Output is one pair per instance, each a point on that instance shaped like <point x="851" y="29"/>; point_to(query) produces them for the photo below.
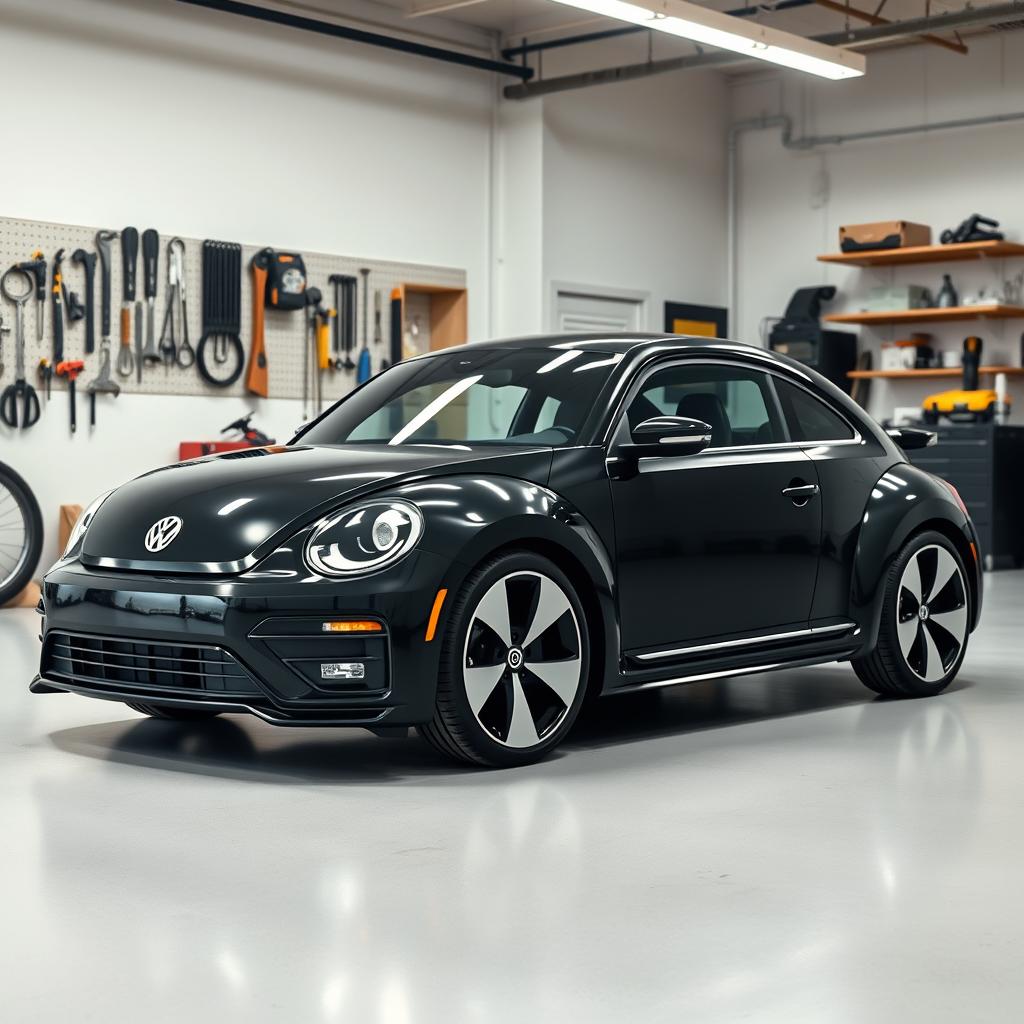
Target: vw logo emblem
<point x="162" y="532"/>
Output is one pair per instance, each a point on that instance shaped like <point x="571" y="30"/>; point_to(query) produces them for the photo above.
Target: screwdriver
<point x="150" y="257"/>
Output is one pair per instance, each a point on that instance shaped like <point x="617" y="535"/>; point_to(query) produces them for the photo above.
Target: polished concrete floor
<point x="777" y="848"/>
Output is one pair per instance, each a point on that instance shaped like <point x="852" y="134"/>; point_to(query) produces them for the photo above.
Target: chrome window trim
<point x="679" y="359"/>
<point x="746" y="641"/>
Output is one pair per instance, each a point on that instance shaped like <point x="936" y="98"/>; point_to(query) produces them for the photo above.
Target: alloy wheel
<point x="931" y="613"/>
<point x="522" y="662"/>
<point x="14" y="534"/>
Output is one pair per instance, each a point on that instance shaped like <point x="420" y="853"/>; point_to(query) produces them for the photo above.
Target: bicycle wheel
<point x="21" y="534"/>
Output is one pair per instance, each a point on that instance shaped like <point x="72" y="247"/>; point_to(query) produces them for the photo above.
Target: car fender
<point x="468" y="518"/>
<point x="904" y="500"/>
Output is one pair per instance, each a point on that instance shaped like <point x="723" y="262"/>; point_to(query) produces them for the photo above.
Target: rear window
<point x="810" y="419"/>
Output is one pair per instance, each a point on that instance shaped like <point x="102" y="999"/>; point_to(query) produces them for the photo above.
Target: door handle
<point x="800" y="493"/>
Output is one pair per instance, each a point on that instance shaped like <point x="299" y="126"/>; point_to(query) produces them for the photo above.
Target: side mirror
<point x="670" y="435"/>
<point x="658" y="437"/>
<point x="911" y="438"/>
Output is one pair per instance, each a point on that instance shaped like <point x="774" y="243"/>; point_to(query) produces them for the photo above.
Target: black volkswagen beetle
<point x="476" y="540"/>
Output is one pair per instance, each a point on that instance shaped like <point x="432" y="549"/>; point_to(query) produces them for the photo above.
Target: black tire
<point x="172" y="714"/>
<point x="20" y="518"/>
<point x="497" y="734"/>
<point x="923" y="633"/>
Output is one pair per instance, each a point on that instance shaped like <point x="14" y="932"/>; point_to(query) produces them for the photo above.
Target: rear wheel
<point x="172" y="714"/>
<point x="514" y="664"/>
<point x="922" y="637"/>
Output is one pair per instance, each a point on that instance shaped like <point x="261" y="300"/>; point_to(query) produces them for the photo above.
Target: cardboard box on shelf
<point x="884" y="234"/>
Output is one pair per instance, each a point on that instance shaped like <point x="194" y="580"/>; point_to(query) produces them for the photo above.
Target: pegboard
<point x="286" y="337"/>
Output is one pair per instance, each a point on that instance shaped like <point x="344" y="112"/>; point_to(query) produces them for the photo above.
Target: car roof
<point x="621" y="341"/>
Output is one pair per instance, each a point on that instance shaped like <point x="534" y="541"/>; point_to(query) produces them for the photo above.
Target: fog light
<point x="342" y="670"/>
<point x="352" y="626"/>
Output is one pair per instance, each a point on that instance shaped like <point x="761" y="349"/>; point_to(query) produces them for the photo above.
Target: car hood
<point x="238" y="507"/>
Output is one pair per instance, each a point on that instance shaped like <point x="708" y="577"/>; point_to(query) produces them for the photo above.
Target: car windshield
<point x="473" y="396"/>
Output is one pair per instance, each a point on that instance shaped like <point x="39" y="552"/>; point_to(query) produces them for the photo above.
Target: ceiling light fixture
<point x="725" y="32"/>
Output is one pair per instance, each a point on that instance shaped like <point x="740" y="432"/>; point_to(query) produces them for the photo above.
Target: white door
<point x="580" y="313"/>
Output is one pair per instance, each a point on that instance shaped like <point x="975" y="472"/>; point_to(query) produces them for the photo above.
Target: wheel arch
<point x="516" y="515"/>
<point x="905" y="501"/>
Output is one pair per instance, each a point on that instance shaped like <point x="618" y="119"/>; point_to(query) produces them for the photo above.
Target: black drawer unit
<point x="985" y="463"/>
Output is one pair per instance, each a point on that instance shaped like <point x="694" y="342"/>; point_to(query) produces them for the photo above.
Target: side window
<point x="737" y="402"/>
<point x="809" y="418"/>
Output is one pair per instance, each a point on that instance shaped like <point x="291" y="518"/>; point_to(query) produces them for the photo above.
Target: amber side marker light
<point x="435" y="614"/>
<point x="352" y="626"/>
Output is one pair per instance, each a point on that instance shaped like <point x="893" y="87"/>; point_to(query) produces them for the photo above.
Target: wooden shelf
<point x="927" y="316"/>
<point x="933" y="373"/>
<point x="925" y="254"/>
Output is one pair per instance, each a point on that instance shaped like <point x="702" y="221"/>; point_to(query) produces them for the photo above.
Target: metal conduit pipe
<point x="358" y="35"/>
<point x="805" y="144"/>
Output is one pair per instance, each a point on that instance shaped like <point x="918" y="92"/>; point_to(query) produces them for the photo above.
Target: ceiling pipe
<point x="358" y="35"/>
<point x="847" y="37"/>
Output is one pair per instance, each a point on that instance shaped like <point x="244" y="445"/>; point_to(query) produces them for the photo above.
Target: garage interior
<point x="782" y="847"/>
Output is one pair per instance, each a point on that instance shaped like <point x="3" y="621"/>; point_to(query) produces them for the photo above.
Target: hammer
<point x="71" y="368"/>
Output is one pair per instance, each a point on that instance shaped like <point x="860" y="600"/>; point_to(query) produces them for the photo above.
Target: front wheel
<point x="514" y="664"/>
<point x="922" y="637"/>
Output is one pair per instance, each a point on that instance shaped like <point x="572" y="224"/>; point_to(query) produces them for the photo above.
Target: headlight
<point x="82" y="524"/>
<point x="364" y="538"/>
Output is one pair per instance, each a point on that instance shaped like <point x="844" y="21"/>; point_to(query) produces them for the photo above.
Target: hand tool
<point x="222" y="300"/>
<point x="45" y="374"/>
<point x="103" y="242"/>
<point x="345" y="325"/>
<point x="307" y="355"/>
<point x="57" y="297"/>
<point x="140" y="352"/>
<point x="150" y="263"/>
<point x="186" y="354"/>
<point x="88" y="262"/>
<point x="36" y="267"/>
<point x="103" y="383"/>
<point x="312" y="361"/>
<point x="71" y="368"/>
<point x="257" y="378"/>
<point x="378" y="330"/>
<point x="175" y="310"/>
<point x="323" y="333"/>
<point x="363" y="372"/>
<point x="4" y="329"/>
<point x="129" y="259"/>
<point x="396" y="326"/>
<point x="20" y="391"/>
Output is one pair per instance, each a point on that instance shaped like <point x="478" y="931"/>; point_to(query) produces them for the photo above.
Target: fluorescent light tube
<point x="725" y="32"/>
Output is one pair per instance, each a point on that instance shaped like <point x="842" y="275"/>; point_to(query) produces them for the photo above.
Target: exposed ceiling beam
<point x="874" y="19"/>
<point x="426" y="7"/>
<point x="993" y="14"/>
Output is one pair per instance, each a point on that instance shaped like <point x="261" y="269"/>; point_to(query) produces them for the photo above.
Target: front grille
<point x="101" y="661"/>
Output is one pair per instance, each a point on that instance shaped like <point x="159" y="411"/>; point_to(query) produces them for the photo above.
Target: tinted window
<point x="810" y="419"/>
<point x="473" y="396"/>
<point x="737" y="402"/>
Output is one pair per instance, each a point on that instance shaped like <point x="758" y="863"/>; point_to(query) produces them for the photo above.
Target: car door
<point x="717" y="544"/>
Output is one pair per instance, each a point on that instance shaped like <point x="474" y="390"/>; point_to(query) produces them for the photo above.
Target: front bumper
<point x="247" y="644"/>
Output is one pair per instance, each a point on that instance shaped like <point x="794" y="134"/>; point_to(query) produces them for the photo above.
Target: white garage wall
<point x="791" y="204"/>
<point x="635" y="188"/>
<point x="154" y="113"/>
